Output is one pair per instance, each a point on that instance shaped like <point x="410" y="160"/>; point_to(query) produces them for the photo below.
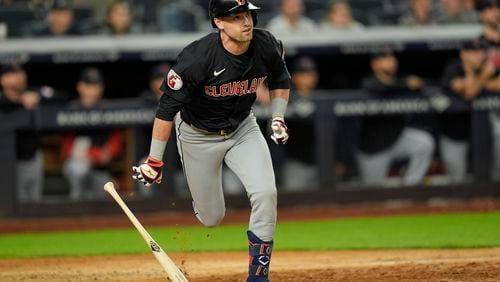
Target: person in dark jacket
<point x="464" y="78"/>
<point x="489" y="15"/>
<point x="16" y="95"/>
<point x="384" y="139"/>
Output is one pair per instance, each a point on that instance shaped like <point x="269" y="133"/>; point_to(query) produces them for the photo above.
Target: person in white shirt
<point x="291" y="19"/>
<point x="340" y="17"/>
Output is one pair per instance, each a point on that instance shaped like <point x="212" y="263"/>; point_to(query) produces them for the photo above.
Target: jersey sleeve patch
<point x="174" y="81"/>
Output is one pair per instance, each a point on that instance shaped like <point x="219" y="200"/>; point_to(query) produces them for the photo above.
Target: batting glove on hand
<point x="280" y="131"/>
<point x="149" y="172"/>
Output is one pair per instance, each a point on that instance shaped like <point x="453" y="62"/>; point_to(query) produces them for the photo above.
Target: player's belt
<point x="220" y="132"/>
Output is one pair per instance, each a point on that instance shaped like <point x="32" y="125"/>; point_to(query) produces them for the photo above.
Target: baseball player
<point x="208" y="95"/>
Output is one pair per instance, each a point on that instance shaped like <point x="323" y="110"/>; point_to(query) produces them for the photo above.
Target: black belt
<point x="219" y="132"/>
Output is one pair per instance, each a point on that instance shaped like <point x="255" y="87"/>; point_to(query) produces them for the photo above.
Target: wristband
<point x="157" y="149"/>
<point x="278" y="107"/>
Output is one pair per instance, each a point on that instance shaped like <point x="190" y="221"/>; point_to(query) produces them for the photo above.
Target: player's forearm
<point x="472" y="86"/>
<point x="279" y="101"/>
<point x="280" y="93"/>
<point x="160" y="136"/>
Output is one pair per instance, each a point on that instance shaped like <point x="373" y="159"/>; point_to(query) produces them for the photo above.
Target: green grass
<point x="424" y="231"/>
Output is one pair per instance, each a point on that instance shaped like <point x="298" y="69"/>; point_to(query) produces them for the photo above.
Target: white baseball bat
<point x="173" y="272"/>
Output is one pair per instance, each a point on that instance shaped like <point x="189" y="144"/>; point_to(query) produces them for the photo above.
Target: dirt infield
<point x="376" y="265"/>
<point x="387" y="265"/>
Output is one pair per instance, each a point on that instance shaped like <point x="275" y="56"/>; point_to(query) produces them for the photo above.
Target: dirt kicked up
<point x="374" y="265"/>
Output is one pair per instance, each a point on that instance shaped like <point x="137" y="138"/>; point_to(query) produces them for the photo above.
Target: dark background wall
<point x="128" y="78"/>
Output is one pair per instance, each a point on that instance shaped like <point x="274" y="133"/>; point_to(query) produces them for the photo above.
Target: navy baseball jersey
<point x="214" y="89"/>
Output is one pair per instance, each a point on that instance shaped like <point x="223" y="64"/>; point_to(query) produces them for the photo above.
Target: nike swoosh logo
<point x="216" y="73"/>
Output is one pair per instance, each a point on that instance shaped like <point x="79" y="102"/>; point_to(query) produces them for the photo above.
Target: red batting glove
<point x="280" y="131"/>
<point x="148" y="172"/>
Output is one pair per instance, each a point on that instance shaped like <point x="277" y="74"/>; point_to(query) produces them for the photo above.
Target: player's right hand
<point x="148" y="172"/>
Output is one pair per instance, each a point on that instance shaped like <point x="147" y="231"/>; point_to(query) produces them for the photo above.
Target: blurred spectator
<point x="489" y="15"/>
<point x="305" y="78"/>
<point x="300" y="171"/>
<point x="152" y="95"/>
<point x="465" y="78"/>
<point x="340" y="17"/>
<point x="60" y="21"/>
<point x="119" y="20"/>
<point x="16" y="95"/>
<point x="291" y="18"/>
<point x="89" y="152"/>
<point x="469" y="5"/>
<point x="384" y="139"/>
<point x="454" y="12"/>
<point x="420" y="14"/>
<point x="181" y="16"/>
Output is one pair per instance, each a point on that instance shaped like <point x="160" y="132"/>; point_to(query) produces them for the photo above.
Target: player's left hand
<point x="279" y="131"/>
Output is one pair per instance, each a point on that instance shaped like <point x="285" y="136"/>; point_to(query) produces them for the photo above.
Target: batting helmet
<point x="223" y="8"/>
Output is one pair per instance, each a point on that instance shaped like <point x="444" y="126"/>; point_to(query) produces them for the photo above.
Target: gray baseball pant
<point x="246" y="153"/>
<point x="30" y="178"/>
<point x="454" y="155"/>
<point x="84" y="181"/>
<point x="495" y="127"/>
<point x="415" y="144"/>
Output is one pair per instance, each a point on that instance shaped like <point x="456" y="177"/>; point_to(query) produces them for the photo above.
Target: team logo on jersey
<point x="174" y="81"/>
